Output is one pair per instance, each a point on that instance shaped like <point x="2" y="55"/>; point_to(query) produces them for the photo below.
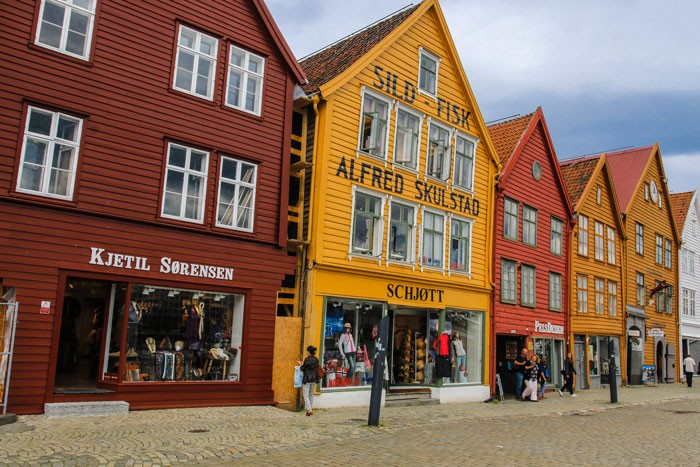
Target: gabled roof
<point x="506" y="135"/>
<point x="326" y="64"/>
<point x="628" y="167"/>
<point x="279" y="40"/>
<point x="680" y="204"/>
<point x="577" y="175"/>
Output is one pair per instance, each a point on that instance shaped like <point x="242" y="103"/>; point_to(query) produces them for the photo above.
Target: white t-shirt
<point x="689" y="364"/>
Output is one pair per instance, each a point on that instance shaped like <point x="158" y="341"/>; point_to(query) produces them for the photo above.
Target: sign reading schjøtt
<point x="548" y="328"/>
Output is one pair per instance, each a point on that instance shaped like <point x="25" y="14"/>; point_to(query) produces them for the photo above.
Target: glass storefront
<point x="551" y="351"/>
<point x="599" y="358"/>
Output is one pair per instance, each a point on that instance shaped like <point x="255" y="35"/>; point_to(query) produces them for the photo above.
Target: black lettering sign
<point x="416" y="294"/>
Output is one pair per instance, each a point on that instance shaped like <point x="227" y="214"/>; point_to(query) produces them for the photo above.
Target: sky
<point x="608" y="74"/>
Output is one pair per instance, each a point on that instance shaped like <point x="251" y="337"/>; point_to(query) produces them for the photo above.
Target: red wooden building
<point x="143" y="186"/>
<point x="533" y="213"/>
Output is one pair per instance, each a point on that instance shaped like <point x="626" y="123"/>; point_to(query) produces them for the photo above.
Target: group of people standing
<point x="530" y="372"/>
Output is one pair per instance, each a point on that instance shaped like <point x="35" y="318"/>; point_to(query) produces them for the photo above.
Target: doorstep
<point x="85" y="409"/>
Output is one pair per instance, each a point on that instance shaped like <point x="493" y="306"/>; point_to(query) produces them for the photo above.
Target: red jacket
<point x="444" y="340"/>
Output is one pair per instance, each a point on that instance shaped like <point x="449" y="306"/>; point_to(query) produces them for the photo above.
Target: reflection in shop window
<point x="466" y="331"/>
<point x="178" y="335"/>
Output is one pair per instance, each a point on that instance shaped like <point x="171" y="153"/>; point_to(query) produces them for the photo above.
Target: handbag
<point x="298" y="377"/>
<point x="320" y="371"/>
<point x="368" y="363"/>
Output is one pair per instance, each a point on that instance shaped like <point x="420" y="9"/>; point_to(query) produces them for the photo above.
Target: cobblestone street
<point x="649" y="426"/>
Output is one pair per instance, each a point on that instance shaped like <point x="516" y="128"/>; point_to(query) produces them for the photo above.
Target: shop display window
<point x="551" y="352"/>
<point x="176" y="335"/>
<point x="350" y="331"/>
<point x="599" y="358"/>
<point x="466" y="332"/>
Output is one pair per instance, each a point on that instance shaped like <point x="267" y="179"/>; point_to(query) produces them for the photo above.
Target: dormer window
<point x="428" y="73"/>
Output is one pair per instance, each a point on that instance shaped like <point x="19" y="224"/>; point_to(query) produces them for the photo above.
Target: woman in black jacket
<point x="569" y="371"/>
<point x="310" y="371"/>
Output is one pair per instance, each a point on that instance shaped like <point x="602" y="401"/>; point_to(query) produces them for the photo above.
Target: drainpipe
<point x="492" y="312"/>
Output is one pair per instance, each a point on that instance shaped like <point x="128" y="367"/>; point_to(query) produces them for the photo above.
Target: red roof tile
<point x="577" y="174"/>
<point x="627" y="168"/>
<point x="680" y="204"/>
<point x="326" y="64"/>
<point x="506" y="135"/>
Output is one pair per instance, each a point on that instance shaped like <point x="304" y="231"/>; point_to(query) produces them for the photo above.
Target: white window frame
<point x="247" y="76"/>
<point x="599" y="296"/>
<point x="234" y="209"/>
<point x="659" y="257"/>
<point x="187" y="173"/>
<point x="423" y="243"/>
<point x="612" y="298"/>
<point x="70" y="8"/>
<point x="529" y="225"/>
<point x="410" y="236"/>
<point x="688" y="302"/>
<point x="582" y="293"/>
<point x="421" y="53"/>
<point x="198" y="58"/>
<point x="583" y="235"/>
<point x="510" y="219"/>
<point x="599" y="241"/>
<point x="528" y="283"/>
<point x="464" y="178"/>
<point x="375" y="247"/>
<point x="375" y="148"/>
<point x="469" y="225"/>
<point x="53" y="143"/>
<point x="556" y="235"/>
<point x="611" y="246"/>
<point x="414" y="139"/>
<point x="509" y="278"/>
<point x="660" y="299"/>
<point x="431" y="160"/>
<point x="687" y="261"/>
<point x="555" y="297"/>
<point x="639" y="239"/>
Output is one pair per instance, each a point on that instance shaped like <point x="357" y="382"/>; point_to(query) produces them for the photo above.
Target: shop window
<point x="428" y="73"/>
<point x="527" y="287"/>
<point x="349" y="334"/>
<point x="402" y="232"/>
<point x="464" y="162"/>
<point x="551" y="354"/>
<point x="529" y="226"/>
<point x="583" y="235"/>
<point x="611" y="246"/>
<point x="510" y="219"/>
<point x="437" y="163"/>
<point x="554" y="291"/>
<point x="593" y="357"/>
<point x="49" y="154"/>
<point x="466" y="332"/>
<point x="177" y="335"/>
<point x="195" y="63"/>
<point x="599" y="357"/>
<point x="245" y="80"/>
<point x="508" y="278"/>
<point x="668" y="256"/>
<point x="367" y="224"/>
<point x="66" y="26"/>
<point x="185" y="183"/>
<point x="639" y="239"/>
<point x="373" y="130"/>
<point x="236" y="205"/>
<point x="460" y="245"/>
<point x="599" y="241"/>
<point x="582" y="293"/>
<point x="433" y="239"/>
<point x="407" y="139"/>
<point x="556" y="235"/>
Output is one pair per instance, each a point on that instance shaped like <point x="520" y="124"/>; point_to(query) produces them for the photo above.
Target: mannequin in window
<point x="347" y="347"/>
<point x="460" y="356"/>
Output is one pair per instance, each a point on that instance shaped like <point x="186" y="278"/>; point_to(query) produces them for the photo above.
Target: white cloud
<point x="682" y="171"/>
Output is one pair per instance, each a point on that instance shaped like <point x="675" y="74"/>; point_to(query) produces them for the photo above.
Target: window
<point x="407" y="139"/>
<point x="556" y="235"/>
<point x="367" y="224"/>
<point x="401" y="232"/>
<point x="611" y="245"/>
<point x="508" y="286"/>
<point x="464" y="163"/>
<point x="612" y="298"/>
<point x="598" y="194"/>
<point x="599" y="296"/>
<point x="641" y="299"/>
<point x="582" y="293"/>
<point x="669" y="300"/>
<point x="529" y="226"/>
<point x="428" y="73"/>
<point x="527" y="288"/>
<point x="639" y="239"/>
<point x="460" y="245"/>
<point x="583" y="235"/>
<point x="49" y="154"/>
<point x="185" y="183"/>
<point x="668" y="258"/>
<point x="554" y="291"/>
<point x="66" y="26"/>
<point x="659" y="249"/>
<point x="195" y="65"/>
<point x="510" y="219"/>
<point x="688" y="297"/>
<point x="687" y="261"/>
<point x="646" y="192"/>
<point x="245" y="80"/>
<point x="599" y="242"/>
<point x="438" y="160"/>
<point x="433" y="239"/>
<point x="660" y="301"/>
<point x="375" y="114"/>
<point x="236" y="194"/>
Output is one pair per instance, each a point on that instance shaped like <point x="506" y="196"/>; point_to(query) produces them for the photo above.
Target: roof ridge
<point x="512" y="118"/>
<point x="352" y="34"/>
<point x="575" y="160"/>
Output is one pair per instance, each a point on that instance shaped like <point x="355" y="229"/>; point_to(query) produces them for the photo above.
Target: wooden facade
<point x="597" y="292"/>
<point x="531" y="298"/>
<point x="122" y="90"/>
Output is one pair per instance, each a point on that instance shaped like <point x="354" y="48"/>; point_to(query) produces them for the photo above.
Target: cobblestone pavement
<point x="649" y="426"/>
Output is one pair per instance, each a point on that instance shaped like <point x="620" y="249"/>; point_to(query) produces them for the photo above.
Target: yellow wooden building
<point x="391" y="211"/>
<point x="650" y="266"/>
<point x="596" y="272"/>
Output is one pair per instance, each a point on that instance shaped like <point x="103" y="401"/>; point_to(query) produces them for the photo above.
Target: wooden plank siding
<point x="130" y="113"/>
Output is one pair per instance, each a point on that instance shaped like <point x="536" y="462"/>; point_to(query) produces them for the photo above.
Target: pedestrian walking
<point x="310" y="370"/>
<point x="542" y="377"/>
<point x="519" y="366"/>
<point x="689" y="368"/>
<point x="569" y="371"/>
<point x="532" y="372"/>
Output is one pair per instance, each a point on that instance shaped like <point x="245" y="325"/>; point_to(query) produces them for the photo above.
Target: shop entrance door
<point x="86" y="312"/>
<point x="410" y="349"/>
<point x="660" y="368"/>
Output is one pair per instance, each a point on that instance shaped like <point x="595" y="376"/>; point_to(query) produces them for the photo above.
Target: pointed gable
<point x="506" y="136"/>
<point x="627" y="169"/>
<point x="680" y="204"/>
<point x="324" y="65"/>
<point x="577" y="175"/>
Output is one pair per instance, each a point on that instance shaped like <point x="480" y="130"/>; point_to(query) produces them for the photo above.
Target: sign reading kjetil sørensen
<point x="100" y="257"/>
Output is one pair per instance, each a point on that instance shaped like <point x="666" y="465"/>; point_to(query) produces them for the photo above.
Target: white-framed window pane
<point x="599" y="296"/>
<point x="401" y="232"/>
<point x="460" y="245"/>
<point x="237" y="188"/>
<point x="659" y="250"/>
<point x="554" y="291"/>
<point x="433" y="239"/>
<point x="438" y="160"/>
<point x="529" y="226"/>
<point x="527" y="288"/>
<point x="583" y="236"/>
<point x="582" y="293"/>
<point x="66" y="26"/>
<point x="407" y="139"/>
<point x="185" y="183"/>
<point x="508" y="278"/>
<point x="639" y="239"/>
<point x="611" y="246"/>
<point x="464" y="163"/>
<point x="196" y="63"/>
<point x="245" y="80"/>
<point x="641" y="299"/>
<point x="668" y="256"/>
<point x="599" y="242"/>
<point x="366" y="232"/>
<point x="510" y="219"/>
<point x="612" y="298"/>
<point x="427" y="80"/>
<point x="556" y="235"/>
<point x="373" y="131"/>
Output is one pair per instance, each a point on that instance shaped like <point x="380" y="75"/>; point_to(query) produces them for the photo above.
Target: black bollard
<point x="375" y="401"/>
<point x="613" y="372"/>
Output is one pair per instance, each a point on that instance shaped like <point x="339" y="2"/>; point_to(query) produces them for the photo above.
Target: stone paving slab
<point x="224" y="434"/>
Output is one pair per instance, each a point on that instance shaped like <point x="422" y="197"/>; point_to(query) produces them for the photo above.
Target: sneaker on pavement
<point x="561" y="394"/>
<point x="574" y="395"/>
